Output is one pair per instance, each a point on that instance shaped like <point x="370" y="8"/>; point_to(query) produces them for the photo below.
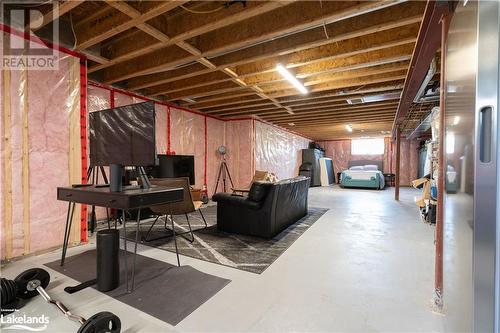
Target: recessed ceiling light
<point x="287" y="75"/>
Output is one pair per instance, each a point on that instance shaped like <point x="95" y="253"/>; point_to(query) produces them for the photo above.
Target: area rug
<point x="167" y="292"/>
<point x="246" y="253"/>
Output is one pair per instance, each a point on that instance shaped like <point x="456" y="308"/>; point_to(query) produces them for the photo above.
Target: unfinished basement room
<point x="250" y="166"/>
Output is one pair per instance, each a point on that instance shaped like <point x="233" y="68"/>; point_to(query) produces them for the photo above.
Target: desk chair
<point x="184" y="207"/>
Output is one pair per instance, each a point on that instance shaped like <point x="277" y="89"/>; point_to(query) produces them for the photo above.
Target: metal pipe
<point x="438" y="263"/>
<point x="398" y="160"/>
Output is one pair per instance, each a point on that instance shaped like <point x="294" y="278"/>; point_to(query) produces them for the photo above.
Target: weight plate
<point x="29" y="280"/>
<point x="102" y="322"/>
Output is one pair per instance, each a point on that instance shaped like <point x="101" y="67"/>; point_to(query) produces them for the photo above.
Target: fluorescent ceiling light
<point x="287" y="75"/>
<point x="348" y="128"/>
<point x="456" y="120"/>
<point x="189" y="100"/>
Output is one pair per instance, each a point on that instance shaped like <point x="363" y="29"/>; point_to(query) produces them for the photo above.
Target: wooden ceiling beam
<point x="400" y="15"/>
<point x="185" y="26"/>
<point x="306" y="112"/>
<point x="233" y="37"/>
<point x="331" y="113"/>
<point x="341" y="64"/>
<point x="60" y="9"/>
<point x="341" y="76"/>
<point x="201" y="80"/>
<point x="294" y="17"/>
<point x="276" y="112"/>
<point x="348" y="120"/>
<point x="126" y="17"/>
<point x="213" y="89"/>
<point x="376" y="88"/>
<point x="384" y="19"/>
<point x="345" y="48"/>
<point x="397" y="76"/>
<point x="380" y="57"/>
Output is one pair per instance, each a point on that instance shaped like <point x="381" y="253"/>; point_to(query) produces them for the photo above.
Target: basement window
<point x="367" y="147"/>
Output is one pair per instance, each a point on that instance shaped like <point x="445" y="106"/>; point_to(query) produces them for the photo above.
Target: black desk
<point x="132" y="198"/>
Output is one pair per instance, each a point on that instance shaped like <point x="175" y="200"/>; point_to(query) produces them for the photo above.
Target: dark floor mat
<point x="167" y="292"/>
<point x="251" y="254"/>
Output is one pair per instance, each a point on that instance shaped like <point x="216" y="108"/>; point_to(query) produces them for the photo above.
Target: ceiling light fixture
<point x="456" y="120"/>
<point x="348" y="128"/>
<point x="287" y="75"/>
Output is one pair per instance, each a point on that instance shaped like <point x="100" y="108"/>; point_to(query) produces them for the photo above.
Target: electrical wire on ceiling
<point x="202" y="11"/>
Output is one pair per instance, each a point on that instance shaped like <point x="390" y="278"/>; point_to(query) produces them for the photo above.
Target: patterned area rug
<point x="247" y="253"/>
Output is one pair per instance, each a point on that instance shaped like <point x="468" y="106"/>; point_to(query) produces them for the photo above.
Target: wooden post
<point x="438" y="264"/>
<point x="398" y="159"/>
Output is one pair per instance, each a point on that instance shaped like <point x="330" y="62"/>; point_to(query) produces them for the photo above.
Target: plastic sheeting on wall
<point x="215" y="138"/>
<point x="278" y="151"/>
<point x="340" y="152"/>
<point x="240" y="151"/>
<point x="187" y="137"/>
<point x="39" y="132"/>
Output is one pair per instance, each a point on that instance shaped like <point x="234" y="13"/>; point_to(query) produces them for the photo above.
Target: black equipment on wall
<point x="312" y="156"/>
<point x="174" y="166"/>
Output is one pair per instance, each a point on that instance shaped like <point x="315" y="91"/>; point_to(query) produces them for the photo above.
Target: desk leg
<point x="125" y="247"/>
<point x="175" y="241"/>
<point x="67" y="230"/>
<point x="135" y="247"/>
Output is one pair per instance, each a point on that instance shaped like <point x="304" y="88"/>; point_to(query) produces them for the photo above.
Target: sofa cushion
<point x="258" y="191"/>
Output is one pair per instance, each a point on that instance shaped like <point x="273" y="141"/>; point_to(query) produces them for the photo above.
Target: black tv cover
<point x="124" y="135"/>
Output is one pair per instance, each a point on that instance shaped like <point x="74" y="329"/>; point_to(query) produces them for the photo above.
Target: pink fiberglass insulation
<point x="278" y="151"/>
<point x="49" y="111"/>
<point x="161" y="128"/>
<point x="16" y="142"/>
<point x="215" y="139"/>
<point x="122" y="99"/>
<point x="409" y="161"/>
<point x="187" y="137"/>
<point x="340" y="153"/>
<point x="2" y="180"/>
<point x="97" y="99"/>
<point x="240" y="151"/>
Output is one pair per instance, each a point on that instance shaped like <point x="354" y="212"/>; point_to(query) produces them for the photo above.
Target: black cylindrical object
<point x="115" y="175"/>
<point x="108" y="264"/>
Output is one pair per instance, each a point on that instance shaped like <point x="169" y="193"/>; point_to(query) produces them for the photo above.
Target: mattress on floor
<point x="363" y="179"/>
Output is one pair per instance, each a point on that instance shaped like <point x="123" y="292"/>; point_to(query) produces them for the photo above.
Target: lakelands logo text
<point x="27" y="21"/>
<point x="24" y="322"/>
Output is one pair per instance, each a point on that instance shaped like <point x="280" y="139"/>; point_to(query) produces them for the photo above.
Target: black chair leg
<point x="203" y="217"/>
<point x="175" y="240"/>
<point x="145" y="239"/>
<point x="190" y="230"/>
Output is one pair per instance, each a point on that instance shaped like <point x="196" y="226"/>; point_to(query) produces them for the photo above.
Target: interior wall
<point x="340" y="152"/>
<point x="278" y="151"/>
<point x="40" y="151"/>
<point x="240" y="151"/>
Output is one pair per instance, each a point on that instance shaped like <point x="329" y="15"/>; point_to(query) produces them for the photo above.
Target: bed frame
<point x="358" y="183"/>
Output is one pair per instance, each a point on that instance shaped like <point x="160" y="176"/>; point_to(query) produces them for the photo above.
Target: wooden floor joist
<point x="221" y="58"/>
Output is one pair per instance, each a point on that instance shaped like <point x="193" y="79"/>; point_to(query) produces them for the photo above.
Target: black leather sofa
<point x="268" y="209"/>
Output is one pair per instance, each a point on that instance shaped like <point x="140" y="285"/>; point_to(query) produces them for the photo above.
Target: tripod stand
<point x="223" y="171"/>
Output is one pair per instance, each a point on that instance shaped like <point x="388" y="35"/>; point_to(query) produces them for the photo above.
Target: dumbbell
<point x="33" y="282"/>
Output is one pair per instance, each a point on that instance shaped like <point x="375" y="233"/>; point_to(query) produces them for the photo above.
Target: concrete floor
<point x="365" y="266"/>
